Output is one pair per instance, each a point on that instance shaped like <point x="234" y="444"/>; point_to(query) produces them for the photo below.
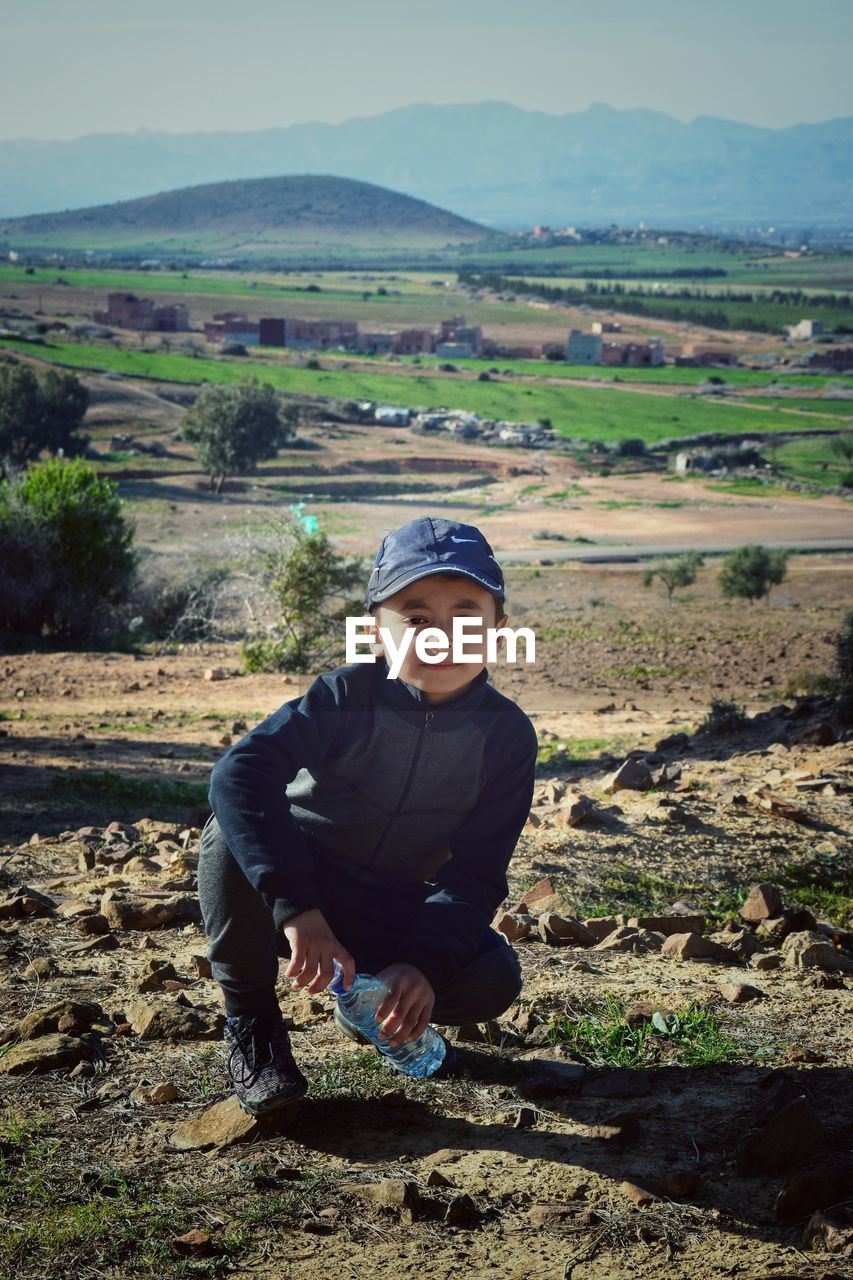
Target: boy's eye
<point x="415" y="620"/>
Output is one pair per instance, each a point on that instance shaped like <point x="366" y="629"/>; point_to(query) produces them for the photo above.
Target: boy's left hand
<point x="408" y="1005"/>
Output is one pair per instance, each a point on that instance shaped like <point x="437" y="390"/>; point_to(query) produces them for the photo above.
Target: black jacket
<point x="364" y="775"/>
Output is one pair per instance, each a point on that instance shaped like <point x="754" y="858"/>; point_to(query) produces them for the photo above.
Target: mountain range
<point x="491" y="162"/>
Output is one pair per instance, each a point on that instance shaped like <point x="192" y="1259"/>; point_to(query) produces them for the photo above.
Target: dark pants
<point x="370" y="920"/>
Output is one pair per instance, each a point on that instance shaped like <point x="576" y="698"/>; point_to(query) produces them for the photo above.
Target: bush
<point x="309" y="586"/>
<point x="39" y="413"/>
<point x="749" y="572"/>
<point x="723" y="718"/>
<point x="178" y="607"/>
<point x="680" y="572"/>
<point x="632" y="447"/>
<point x="66" y="552"/>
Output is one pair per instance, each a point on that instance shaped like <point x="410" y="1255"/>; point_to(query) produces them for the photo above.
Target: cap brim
<point x="407" y="579"/>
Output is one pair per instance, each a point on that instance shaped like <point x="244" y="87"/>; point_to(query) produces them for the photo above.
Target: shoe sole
<point x="277" y="1104"/>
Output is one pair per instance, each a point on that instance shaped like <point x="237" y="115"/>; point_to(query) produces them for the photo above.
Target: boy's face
<point x="435" y="601"/>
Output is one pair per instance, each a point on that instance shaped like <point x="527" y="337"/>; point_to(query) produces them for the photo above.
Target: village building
<point x="805" y="331"/>
<point x="583" y="348"/>
<point x="128" y="311"/>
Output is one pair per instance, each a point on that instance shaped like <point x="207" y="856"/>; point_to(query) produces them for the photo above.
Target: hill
<point x="252" y="217"/>
<point x="490" y="161"/>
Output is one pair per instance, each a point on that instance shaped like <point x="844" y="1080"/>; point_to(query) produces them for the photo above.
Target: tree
<point x="672" y="574"/>
<point x="309" y="587"/>
<point x="66" y="552"/>
<point x="234" y="428"/>
<point x="38" y="413"/>
<point x="749" y="572"/>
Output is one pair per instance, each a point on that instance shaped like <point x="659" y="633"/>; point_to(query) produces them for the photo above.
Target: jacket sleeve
<point x="448" y="929"/>
<point x="247" y="795"/>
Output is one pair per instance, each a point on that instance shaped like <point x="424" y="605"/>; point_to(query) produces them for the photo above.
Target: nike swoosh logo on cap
<point x="453" y="539"/>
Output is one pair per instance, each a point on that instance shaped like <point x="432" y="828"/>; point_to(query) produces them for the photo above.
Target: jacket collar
<point x="413" y="703"/>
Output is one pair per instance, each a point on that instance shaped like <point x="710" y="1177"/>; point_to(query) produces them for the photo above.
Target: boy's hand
<point x="313" y="949"/>
<point x="407" y="1008"/>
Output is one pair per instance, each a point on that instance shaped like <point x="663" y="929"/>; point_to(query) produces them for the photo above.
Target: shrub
<point x="723" y="718"/>
<point x="309" y="586"/>
<point x="39" y="413"/>
<point x="632" y="447"/>
<point x="178" y="607"/>
<point x="749" y="572"/>
<point x="672" y="574"/>
<point x="66" y="552"/>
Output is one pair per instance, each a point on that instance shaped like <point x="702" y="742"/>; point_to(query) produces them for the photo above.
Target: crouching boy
<point x="371" y="821"/>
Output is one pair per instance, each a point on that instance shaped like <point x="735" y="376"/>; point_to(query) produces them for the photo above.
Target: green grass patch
<point x="590" y="414"/>
<point x="562" y="753"/>
<point x="747" y="487"/>
<point x="83" y="784"/>
<point x="811" y="459"/>
<point x="56" y="1214"/>
<point x="691" y="1038"/>
<point x="823" y="884"/>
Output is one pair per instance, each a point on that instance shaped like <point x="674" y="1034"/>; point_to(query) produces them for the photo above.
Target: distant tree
<point x="234" y="428"/>
<point x="39" y="413"/>
<point x="750" y="572"/>
<point x="66" y="551"/>
<point x="676" y="573"/>
<point x="842" y="447"/>
<point x="631" y="447"/>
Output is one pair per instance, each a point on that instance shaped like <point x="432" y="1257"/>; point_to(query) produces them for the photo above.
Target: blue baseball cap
<point x="431" y="545"/>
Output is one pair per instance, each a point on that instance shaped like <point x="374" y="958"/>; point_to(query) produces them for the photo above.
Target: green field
<point x="811" y="460"/>
<point x="587" y="413"/>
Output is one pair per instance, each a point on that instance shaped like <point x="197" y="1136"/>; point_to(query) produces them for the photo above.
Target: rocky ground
<point x="671" y="1096"/>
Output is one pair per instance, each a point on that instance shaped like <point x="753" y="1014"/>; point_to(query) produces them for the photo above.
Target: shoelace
<point x="247" y="1036"/>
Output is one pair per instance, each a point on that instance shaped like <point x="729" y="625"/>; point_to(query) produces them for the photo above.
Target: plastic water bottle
<point x="359" y="1003"/>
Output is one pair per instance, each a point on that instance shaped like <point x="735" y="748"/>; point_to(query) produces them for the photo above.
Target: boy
<point x="371" y="821"/>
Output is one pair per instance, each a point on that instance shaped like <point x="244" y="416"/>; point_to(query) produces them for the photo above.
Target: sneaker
<point x="260" y="1064"/>
<point x="451" y="1064"/>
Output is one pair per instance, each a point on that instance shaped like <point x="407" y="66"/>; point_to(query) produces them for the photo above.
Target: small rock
<point x="83" y="1070"/>
<point x="551" y="1215"/>
<point x="42" y="967"/>
<point x="92" y="926"/>
<point x="166" y="1021"/>
<point x="638" y="1194"/>
<point x="158" y="1094"/>
<point x="562" y="931"/>
<point x="515" y="928"/>
<point x="201" y="964"/>
<point x="601" y="926"/>
<point x="692" y="946"/>
<point x="789" y="1138"/>
<point x="525" y="1118"/>
<point x="739" y="992"/>
<point x="47" y="1053"/>
<point x="153" y="975"/>
<point x="679" y="1183"/>
<point x="632" y="775"/>
<point x="107" y="942"/>
<point x="626" y="938"/>
<point x="809" y="950"/>
<point x="619" y="1131"/>
<point x="669" y="924"/>
<point x="461" y="1211"/>
<point x="766" y="960"/>
<point x="215" y="673"/>
<point x="225" y="1124"/>
<point x="194" y="1244"/>
<point x="435" y="1178"/>
<point x="642" y="1012"/>
<point x="764" y="901"/>
<point x="394" y="1193"/>
<point x="829" y="1235"/>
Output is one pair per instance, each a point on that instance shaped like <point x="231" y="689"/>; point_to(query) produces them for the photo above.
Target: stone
<point x="42" y="1021"/>
<point x="201" y="964"/>
<point x="692" y="946"/>
<point x="642" y="1012"/>
<point x="619" y="1131"/>
<point x="669" y="924"/>
<point x="764" y="902"/>
<point x="140" y="866"/>
<point x="215" y="673"/>
<point x="394" y="1193"/>
<point x="42" y="967"/>
<point x="766" y="799"/>
<point x="624" y="1082"/>
<point x="639" y="1195"/>
<point x="152" y="1020"/>
<point x="551" y="1215"/>
<point x="515" y="928"/>
<point x="626" y="938"/>
<point x="93" y="925"/>
<point x="739" y="992"/>
<point x="462" y="1211"/>
<point x="435" y="1178"/>
<point x="73" y="907"/>
<point x="525" y="1118"/>
<point x="158" y="1094"/>
<point x="813" y="1189"/>
<point x="808" y="950"/>
<point x="194" y="1244"/>
<point x="153" y="975"/>
<point x="601" y="926"/>
<point x="674" y="742"/>
<point x="821" y="734"/>
<point x="791" y="1137"/>
<point x="24" y="903"/>
<point x="146" y="913"/>
<point x="632" y="775"/>
<point x="223" y="1125"/>
<point x="829" y="1235"/>
<point x="106" y="942"/>
<point x="574" y="809"/>
<point x="47" y="1053"/>
<point x="741" y="942"/>
<point x="564" y="931"/>
<point x="766" y="960"/>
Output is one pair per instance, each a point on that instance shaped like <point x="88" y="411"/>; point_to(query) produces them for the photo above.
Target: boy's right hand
<point x="313" y="949"/>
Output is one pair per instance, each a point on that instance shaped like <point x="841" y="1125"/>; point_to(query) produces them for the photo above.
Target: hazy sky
<point x="70" y="67"/>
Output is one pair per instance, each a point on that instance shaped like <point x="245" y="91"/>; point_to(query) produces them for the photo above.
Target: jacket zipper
<point x="426" y="725"/>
